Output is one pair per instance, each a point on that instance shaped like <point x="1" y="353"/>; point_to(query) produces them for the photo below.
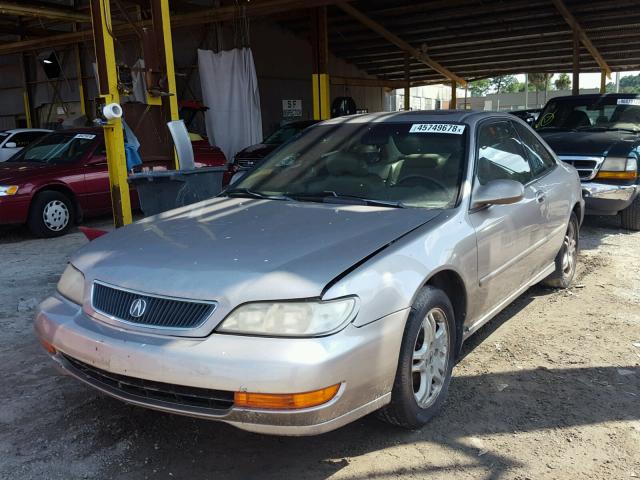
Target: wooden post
<point x="453" y="104"/>
<point x="321" y="86"/>
<point x="576" y="62"/>
<point x="407" y="80"/>
<point x="603" y="81"/>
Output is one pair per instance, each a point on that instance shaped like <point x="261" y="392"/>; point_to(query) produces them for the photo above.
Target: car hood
<point x="590" y="143"/>
<point x="15" y="172"/>
<point x="235" y="250"/>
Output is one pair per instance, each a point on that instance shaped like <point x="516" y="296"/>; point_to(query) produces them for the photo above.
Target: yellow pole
<point x="320" y="82"/>
<point x="26" y="100"/>
<point x="113" y="135"/>
<point x="76" y="52"/>
<point x="170" y="67"/>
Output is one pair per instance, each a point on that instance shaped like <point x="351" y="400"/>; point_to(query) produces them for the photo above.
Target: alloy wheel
<point x="55" y="215"/>
<point x="570" y="249"/>
<point x="430" y="358"/>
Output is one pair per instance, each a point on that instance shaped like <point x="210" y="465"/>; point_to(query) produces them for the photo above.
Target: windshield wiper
<point x="564" y="129"/>
<point x="247" y="192"/>
<point x="329" y="196"/>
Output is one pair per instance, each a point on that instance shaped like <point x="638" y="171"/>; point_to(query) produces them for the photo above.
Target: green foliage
<point x="504" y="83"/>
<point x="479" y="88"/>
<point x="630" y="84"/>
<point x="540" y="81"/>
<point x="563" y="82"/>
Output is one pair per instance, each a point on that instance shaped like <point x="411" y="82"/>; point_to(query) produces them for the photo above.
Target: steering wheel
<point x="443" y="189"/>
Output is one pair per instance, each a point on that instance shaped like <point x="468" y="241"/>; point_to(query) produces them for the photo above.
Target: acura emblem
<point x="138" y="307"/>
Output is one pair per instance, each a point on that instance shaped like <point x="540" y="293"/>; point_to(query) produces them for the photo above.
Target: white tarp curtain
<point x="230" y="90"/>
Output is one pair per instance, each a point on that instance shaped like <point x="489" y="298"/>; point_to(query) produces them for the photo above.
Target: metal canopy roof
<point x="483" y="38"/>
<point x="460" y="39"/>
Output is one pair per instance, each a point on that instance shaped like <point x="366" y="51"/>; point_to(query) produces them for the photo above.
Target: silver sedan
<point x="339" y="277"/>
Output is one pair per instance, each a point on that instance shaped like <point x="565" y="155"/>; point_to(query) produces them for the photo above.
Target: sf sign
<point x="292" y="108"/>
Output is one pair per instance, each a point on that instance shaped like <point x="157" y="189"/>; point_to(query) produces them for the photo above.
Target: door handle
<point x="540" y="196"/>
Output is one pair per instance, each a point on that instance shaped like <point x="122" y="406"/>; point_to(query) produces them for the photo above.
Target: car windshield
<point x="390" y="164"/>
<point x="58" y="147"/>
<point x="3" y="135"/>
<point x="283" y="134"/>
<point x="599" y="113"/>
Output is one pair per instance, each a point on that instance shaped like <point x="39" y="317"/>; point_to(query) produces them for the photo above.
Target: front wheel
<point x="426" y="360"/>
<point x="50" y="215"/>
<point x="567" y="258"/>
<point x="630" y="216"/>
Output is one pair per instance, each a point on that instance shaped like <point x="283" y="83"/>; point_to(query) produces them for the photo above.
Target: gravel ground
<point x="548" y="389"/>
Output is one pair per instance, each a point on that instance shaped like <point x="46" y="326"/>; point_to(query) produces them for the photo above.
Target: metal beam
<point x="212" y="15"/>
<point x="401" y="44"/>
<point x="367" y="82"/>
<point x="22" y="10"/>
<point x="573" y="23"/>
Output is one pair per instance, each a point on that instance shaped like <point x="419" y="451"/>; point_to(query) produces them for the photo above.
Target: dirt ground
<point x="549" y="389"/>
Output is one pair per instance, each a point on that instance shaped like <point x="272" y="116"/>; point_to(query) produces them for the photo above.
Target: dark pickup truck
<point x="600" y="136"/>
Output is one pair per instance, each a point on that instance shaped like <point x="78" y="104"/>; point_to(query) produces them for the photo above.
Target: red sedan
<point x="56" y="181"/>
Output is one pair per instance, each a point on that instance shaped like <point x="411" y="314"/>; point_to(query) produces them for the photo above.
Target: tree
<point x="541" y="83"/>
<point x="503" y="83"/>
<point x="563" y="82"/>
<point x="479" y="88"/>
<point x="630" y="84"/>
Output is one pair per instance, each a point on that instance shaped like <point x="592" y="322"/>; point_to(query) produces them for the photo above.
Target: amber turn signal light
<point x="285" y="401"/>
<point x="48" y="347"/>
<point x="627" y="175"/>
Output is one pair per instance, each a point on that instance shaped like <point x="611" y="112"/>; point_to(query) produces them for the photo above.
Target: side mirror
<point x="10" y="145"/>
<point x="237" y="176"/>
<point x="497" y="192"/>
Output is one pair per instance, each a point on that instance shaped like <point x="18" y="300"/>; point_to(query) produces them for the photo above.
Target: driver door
<point x="506" y="234"/>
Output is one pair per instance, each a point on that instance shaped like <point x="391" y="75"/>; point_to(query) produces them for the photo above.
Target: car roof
<point x="458" y="116"/>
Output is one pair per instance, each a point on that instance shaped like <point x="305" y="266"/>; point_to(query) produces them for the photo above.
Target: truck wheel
<point x="51" y="214"/>
<point x="567" y="258"/>
<point x="426" y="359"/>
<point x="631" y="215"/>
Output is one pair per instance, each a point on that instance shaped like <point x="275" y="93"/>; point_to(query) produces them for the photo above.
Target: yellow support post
<point x="76" y="53"/>
<point x="320" y="82"/>
<point x="26" y="100"/>
<point x="113" y="134"/>
<point x="167" y="40"/>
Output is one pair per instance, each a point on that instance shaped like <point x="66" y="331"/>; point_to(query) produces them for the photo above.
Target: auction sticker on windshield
<point x="451" y="128"/>
<point x="85" y="136"/>
<point x="629" y="101"/>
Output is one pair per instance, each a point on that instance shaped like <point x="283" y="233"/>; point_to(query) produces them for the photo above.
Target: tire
<point x="51" y="214"/>
<point x="431" y="306"/>
<point x="567" y="258"/>
<point x="630" y="216"/>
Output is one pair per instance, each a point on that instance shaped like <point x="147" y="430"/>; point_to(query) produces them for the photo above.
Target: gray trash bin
<point x="165" y="190"/>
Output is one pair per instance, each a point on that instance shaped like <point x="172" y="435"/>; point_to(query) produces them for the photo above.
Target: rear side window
<point x="539" y="157"/>
<point x="501" y="155"/>
<point x="25" y="138"/>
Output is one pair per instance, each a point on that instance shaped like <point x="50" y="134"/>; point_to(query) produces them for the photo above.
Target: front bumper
<point x="362" y="359"/>
<point x="14" y="209"/>
<point x="606" y="199"/>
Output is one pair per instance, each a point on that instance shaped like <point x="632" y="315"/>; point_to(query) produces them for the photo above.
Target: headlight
<point x="71" y="284"/>
<point x="7" y="190"/>
<point x="291" y="319"/>
<point x="619" y="168"/>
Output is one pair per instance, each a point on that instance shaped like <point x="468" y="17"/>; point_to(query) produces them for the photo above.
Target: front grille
<point x="150" y="391"/>
<point x="244" y="163"/>
<point x="158" y="311"/>
<point x="587" y="167"/>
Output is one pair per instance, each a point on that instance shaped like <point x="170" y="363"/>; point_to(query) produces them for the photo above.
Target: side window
<point x="539" y="157"/>
<point x="501" y="155"/>
<point x="23" y="139"/>
<point x="101" y="150"/>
